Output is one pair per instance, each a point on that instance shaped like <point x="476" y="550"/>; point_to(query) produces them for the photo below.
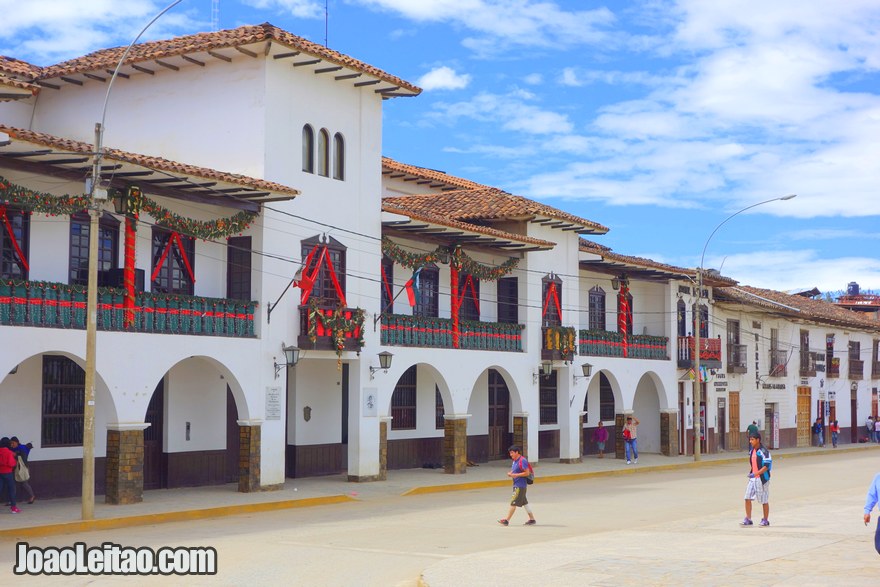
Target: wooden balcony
<point x="605" y="343"/>
<point x="856" y="369"/>
<point x="807" y="365"/>
<point x="778" y="363"/>
<point x="558" y="343"/>
<point x="832" y="369"/>
<point x="59" y="305"/>
<point x="331" y="328"/>
<point x="737" y="358"/>
<point x="429" y="332"/>
<point x="710" y="352"/>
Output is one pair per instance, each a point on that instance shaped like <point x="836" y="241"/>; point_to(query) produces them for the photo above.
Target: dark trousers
<point x="7" y="483"/>
<point x="877" y="536"/>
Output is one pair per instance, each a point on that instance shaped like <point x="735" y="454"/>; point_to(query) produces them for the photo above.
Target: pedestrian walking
<point x="7" y="479"/>
<point x="869" y="428"/>
<point x="751" y="430"/>
<point x="600" y="436"/>
<point x="870" y="502"/>
<point x="758" y="487"/>
<point x="877" y="430"/>
<point x="834" y="427"/>
<point x="630" y="437"/>
<point x="819" y="431"/>
<point x="23" y="451"/>
<point x="519" y="471"/>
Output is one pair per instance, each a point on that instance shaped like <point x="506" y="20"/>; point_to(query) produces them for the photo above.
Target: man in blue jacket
<point x="870" y="502"/>
<point x="758" y="488"/>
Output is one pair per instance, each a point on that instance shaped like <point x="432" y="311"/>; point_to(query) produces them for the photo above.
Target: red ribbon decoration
<point x="453" y="280"/>
<point x="308" y="279"/>
<point x="469" y="281"/>
<point x="387" y="287"/>
<point x="128" y="270"/>
<point x="339" y="293"/>
<point x="11" y="232"/>
<point x="622" y="316"/>
<point x="174" y="239"/>
<point x="554" y="295"/>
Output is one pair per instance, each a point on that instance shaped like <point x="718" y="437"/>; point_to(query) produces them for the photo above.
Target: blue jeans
<point x="7" y="482"/>
<point x="632" y="445"/>
<point x="877" y="536"/>
<point x="820" y="437"/>
<point x="834" y="439"/>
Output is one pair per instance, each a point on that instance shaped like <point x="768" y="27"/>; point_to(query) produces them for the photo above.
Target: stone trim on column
<point x="249" y="445"/>
<point x="124" y="476"/>
<point x="580" y="433"/>
<point x="669" y="432"/>
<point x="521" y="433"/>
<point x="455" y="444"/>
<point x="619" y="443"/>
<point x="384" y="426"/>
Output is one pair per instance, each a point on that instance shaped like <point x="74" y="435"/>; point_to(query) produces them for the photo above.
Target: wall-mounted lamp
<point x="384" y="363"/>
<point x="587" y="370"/>
<point x="291" y="358"/>
<point x="545" y="370"/>
<point x="616" y="282"/>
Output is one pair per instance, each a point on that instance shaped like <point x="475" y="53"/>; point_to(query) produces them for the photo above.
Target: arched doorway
<point x="499" y="416"/>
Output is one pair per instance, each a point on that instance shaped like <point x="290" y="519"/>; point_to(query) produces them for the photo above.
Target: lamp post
<point x="97" y="194"/>
<point x="697" y="382"/>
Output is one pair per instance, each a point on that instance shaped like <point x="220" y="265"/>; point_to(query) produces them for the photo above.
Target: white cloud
<point x="297" y="8"/>
<point x="512" y="111"/>
<point x="534" y="79"/>
<point x="502" y="23"/>
<point x="444" y="78"/>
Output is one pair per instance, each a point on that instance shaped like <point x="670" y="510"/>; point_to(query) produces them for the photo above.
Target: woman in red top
<point x="7" y="466"/>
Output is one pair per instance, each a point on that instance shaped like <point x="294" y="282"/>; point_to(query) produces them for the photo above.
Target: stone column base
<point x="570" y="461"/>
<point x="124" y="475"/>
<point x="455" y="446"/>
<point x="669" y="433"/>
<point x="248" y="458"/>
<point x="521" y="433"/>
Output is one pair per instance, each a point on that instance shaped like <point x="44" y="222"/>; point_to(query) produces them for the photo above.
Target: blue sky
<point x="658" y="119"/>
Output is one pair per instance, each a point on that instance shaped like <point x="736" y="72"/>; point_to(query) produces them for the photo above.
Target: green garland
<point x="480" y="271"/>
<point x="338" y="324"/>
<point x="460" y="260"/>
<point x="410" y="260"/>
<point x="51" y="205"/>
<point x="41" y="202"/>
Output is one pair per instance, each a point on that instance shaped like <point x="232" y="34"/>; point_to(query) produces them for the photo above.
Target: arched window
<point x="324" y="289"/>
<point x="606" y="399"/>
<point x="551" y="300"/>
<point x="308" y="149"/>
<point x="403" y="401"/>
<point x="338" y="157"/>
<point x="324" y="153"/>
<point x="597" y="308"/>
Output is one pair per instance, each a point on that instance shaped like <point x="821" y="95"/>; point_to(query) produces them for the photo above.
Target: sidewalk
<point x="59" y="516"/>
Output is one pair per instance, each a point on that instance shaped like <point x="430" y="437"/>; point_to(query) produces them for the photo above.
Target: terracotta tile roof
<point x="451" y="223"/>
<point x="201" y="42"/>
<point x="19" y="69"/>
<point x="796" y="307"/>
<point x="390" y="166"/>
<point x="637" y="263"/>
<point x="488" y="204"/>
<point x="157" y="163"/>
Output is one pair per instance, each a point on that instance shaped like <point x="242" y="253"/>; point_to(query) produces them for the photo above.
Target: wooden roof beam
<point x="247" y="52"/>
<point x="286" y="55"/>
<point x="143" y="69"/>
<point x="189" y="59"/>
<point x="306" y="62"/>
<point x="220" y="56"/>
<point x="167" y="65"/>
<point x="70" y="80"/>
<point x="348" y="76"/>
<point x="120" y="74"/>
<point x="328" y="69"/>
<point x="97" y="78"/>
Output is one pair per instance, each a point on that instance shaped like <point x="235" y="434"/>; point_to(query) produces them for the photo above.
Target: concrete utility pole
<point x="698" y="391"/>
<point x="97" y="195"/>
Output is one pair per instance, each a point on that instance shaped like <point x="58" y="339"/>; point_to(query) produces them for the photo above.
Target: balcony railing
<point x="856" y="369"/>
<point x="605" y="343"/>
<point x="59" y="305"/>
<point x="331" y="328"/>
<point x="808" y="365"/>
<point x="832" y="369"/>
<point x="778" y="363"/>
<point x="710" y="352"/>
<point x="558" y="343"/>
<point x="737" y="357"/>
<point x="421" y="331"/>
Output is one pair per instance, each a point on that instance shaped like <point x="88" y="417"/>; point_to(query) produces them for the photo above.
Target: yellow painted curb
<point x="163" y="517"/>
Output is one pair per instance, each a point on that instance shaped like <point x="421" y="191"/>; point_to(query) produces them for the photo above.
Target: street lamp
<point x="697" y="382"/>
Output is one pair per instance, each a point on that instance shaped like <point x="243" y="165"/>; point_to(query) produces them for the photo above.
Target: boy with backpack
<point x="521" y="472"/>
<point x="758" y="487"/>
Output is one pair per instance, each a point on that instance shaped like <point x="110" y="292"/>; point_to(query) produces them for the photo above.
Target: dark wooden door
<point x="154" y="467"/>
<point x="722" y="424"/>
<point x="854" y="418"/>
<point x="499" y="416"/>
<point x="233" y="440"/>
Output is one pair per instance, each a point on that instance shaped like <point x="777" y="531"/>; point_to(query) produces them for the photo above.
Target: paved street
<point x="651" y="527"/>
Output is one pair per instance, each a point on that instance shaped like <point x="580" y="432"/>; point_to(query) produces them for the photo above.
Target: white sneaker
<point x="628" y="462"/>
<point x="637" y="461"/>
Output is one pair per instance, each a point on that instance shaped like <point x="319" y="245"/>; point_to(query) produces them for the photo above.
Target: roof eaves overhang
<point x="72" y="161"/>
